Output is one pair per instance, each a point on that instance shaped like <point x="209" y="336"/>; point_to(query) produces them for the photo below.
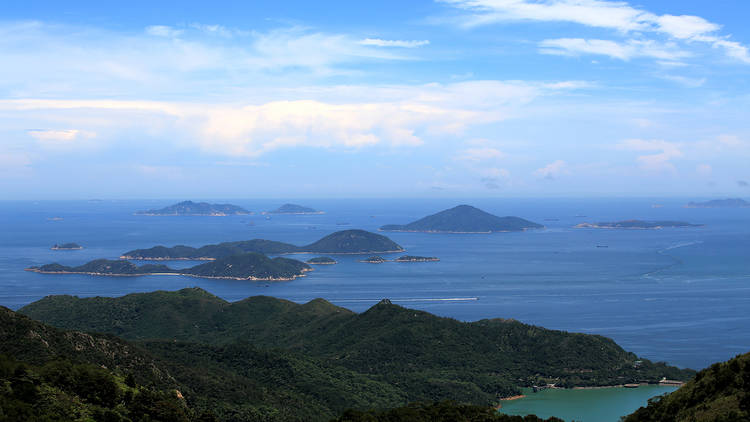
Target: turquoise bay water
<point x="677" y="295"/>
<point x="596" y="405"/>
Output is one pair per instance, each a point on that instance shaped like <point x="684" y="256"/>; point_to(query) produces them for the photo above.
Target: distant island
<point x="720" y="203"/>
<point x="374" y="260"/>
<point x="294" y="209"/>
<point x="464" y="219"/>
<point x="410" y="258"/>
<point x="197" y="208"/>
<point x="249" y="266"/>
<point x="66" y="247"/>
<point x="636" y="224"/>
<point x="321" y="260"/>
<point x="341" y="242"/>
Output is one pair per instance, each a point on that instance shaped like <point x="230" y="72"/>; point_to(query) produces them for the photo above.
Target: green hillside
<point x="720" y="393"/>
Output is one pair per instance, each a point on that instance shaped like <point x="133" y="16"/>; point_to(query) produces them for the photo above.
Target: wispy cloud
<point x="619" y="16"/>
<point x="552" y="170"/>
<point x="660" y="158"/>
<point x="622" y="51"/>
<point x="394" y="43"/>
<point x="480" y="154"/>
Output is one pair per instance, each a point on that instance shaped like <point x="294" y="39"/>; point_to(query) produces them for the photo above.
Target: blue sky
<point x="473" y="98"/>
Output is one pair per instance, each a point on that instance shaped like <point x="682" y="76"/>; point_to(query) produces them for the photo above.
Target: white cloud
<point x="64" y="138"/>
<point x="684" y="80"/>
<point x="394" y="43"/>
<point x="619" y="16"/>
<point x="552" y="170"/>
<point x="660" y="160"/>
<point x="163" y="31"/>
<point x="351" y="117"/>
<point x="623" y="51"/>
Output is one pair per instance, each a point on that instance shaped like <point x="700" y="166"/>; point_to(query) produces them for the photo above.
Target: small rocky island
<point x="636" y="224"/>
<point x="197" y="208"/>
<point x="321" y="260"/>
<point x="250" y="266"/>
<point x="410" y="258"/>
<point x="66" y="247"/>
<point x="294" y="209"/>
<point x="374" y="260"/>
<point x="464" y="219"/>
<point x="341" y="242"/>
<point x="720" y="203"/>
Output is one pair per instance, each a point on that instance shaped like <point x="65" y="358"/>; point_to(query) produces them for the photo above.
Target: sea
<point x="678" y="295"/>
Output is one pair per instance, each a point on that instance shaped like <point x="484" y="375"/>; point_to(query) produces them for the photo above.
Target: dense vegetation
<point x="341" y="242"/>
<point x="294" y="209"/>
<point x="422" y="356"/>
<point x="445" y="411"/>
<point x="720" y="203"/>
<point x="374" y="260"/>
<point x="464" y="219"/>
<point x="197" y="208"/>
<point x="246" y="266"/>
<point x="720" y="393"/>
<point x="636" y="224"/>
<point x="67" y="391"/>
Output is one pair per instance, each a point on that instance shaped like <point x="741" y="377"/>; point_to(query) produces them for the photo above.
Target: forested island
<point x="66" y="247"/>
<point x="197" y="208"/>
<point x="374" y="260"/>
<point x="411" y="258"/>
<point x="341" y="242"/>
<point x="248" y="266"/>
<point x="286" y="361"/>
<point x="321" y="260"/>
<point x="636" y="224"/>
<point x="294" y="209"/>
<point x="464" y="219"/>
<point x="720" y="203"/>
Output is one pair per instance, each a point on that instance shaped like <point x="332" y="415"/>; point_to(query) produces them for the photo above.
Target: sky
<point x="419" y="98"/>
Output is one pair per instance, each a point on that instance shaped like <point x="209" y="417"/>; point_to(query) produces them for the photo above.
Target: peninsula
<point x="321" y="260"/>
<point x="66" y="247"/>
<point x="197" y="208"/>
<point x="636" y="224"/>
<point x="249" y="266"/>
<point x="464" y="219"/>
<point x="294" y="209"/>
<point x="410" y="258"/>
<point x="720" y="203"/>
<point x="341" y="242"/>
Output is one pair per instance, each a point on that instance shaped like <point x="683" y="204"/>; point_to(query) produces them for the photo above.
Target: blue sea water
<point x="675" y="295"/>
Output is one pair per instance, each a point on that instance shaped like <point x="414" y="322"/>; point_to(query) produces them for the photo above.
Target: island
<point x="294" y="209"/>
<point x="636" y="224"/>
<point x="66" y="247"/>
<point x="197" y="208"/>
<point x="720" y="203"/>
<point x="321" y="260"/>
<point x="374" y="260"/>
<point x="341" y="242"/>
<point x="464" y="219"/>
<point x="410" y="258"/>
<point x="249" y="266"/>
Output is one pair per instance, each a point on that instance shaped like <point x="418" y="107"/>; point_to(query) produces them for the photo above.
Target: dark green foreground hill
<point x="720" y="393"/>
<point x="424" y="356"/>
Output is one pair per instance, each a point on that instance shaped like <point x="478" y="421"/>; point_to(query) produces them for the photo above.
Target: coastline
<point x="459" y="232"/>
<point x="36" y="270"/>
<point x="206" y="258"/>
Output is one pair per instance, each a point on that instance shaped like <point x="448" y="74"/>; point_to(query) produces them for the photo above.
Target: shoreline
<point x="206" y="258"/>
<point x="459" y="232"/>
<point x="35" y="270"/>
